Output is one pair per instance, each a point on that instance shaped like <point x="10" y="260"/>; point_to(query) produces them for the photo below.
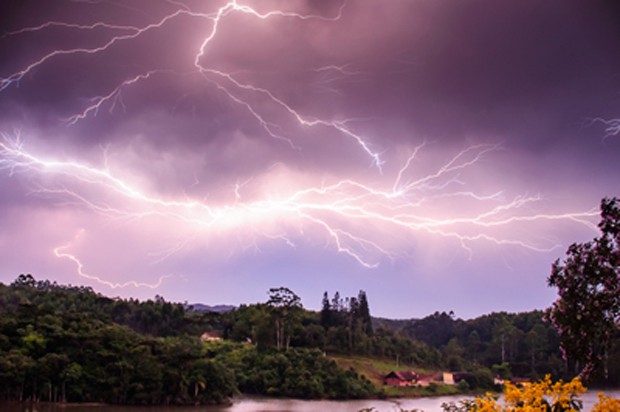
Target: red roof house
<point x="401" y="378"/>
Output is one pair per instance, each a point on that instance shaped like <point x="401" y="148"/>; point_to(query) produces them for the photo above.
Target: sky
<point x="439" y="155"/>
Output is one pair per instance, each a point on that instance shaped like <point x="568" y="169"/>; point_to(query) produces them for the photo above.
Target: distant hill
<point x="199" y="307"/>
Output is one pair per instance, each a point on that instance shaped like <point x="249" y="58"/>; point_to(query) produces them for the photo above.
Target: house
<point x="401" y="378"/>
<point x="210" y="337"/>
<point x="452" y="378"/>
<point x="425" y="380"/>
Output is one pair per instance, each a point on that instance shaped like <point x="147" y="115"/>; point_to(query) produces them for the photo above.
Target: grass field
<point x="376" y="369"/>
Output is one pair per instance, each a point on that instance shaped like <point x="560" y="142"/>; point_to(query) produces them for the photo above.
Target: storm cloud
<point x="429" y="152"/>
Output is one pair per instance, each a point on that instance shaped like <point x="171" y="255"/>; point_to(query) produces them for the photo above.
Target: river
<point x="260" y="404"/>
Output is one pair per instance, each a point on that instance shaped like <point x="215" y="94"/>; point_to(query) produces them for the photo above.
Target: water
<point x="260" y="404"/>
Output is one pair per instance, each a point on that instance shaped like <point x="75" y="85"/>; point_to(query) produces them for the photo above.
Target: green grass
<point x="376" y="369"/>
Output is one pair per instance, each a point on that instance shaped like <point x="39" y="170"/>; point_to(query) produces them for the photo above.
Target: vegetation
<point x="541" y="396"/>
<point x="343" y="327"/>
<point x="587" y="314"/>
<point x="64" y="343"/>
<point x="499" y="344"/>
<point x="375" y="370"/>
<point x="297" y="373"/>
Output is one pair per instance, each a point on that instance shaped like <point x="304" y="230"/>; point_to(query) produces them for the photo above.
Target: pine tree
<point x="364" y="313"/>
<point x="326" y="312"/>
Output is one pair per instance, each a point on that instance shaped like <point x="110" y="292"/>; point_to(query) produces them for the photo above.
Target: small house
<point x="453" y="378"/>
<point x="401" y="378"/>
<point x="210" y="337"/>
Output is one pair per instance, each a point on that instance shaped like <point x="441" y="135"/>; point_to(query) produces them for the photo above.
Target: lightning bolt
<point x="612" y="126"/>
<point x="133" y="32"/>
<point x="366" y="222"/>
<point x="342" y="210"/>
<point x="60" y="252"/>
<point x="331" y="74"/>
<point x="115" y="96"/>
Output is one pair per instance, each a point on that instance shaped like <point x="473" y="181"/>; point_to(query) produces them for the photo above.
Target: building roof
<point x="403" y="375"/>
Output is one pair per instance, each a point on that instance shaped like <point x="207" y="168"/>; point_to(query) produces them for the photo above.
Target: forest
<point x="69" y="344"/>
<point x="62" y="343"/>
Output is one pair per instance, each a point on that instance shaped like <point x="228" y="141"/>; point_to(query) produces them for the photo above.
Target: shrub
<point x="541" y="396"/>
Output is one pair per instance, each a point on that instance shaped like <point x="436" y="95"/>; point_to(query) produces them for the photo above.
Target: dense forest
<point x="65" y="343"/>
<point x="511" y="345"/>
<point x="69" y="344"/>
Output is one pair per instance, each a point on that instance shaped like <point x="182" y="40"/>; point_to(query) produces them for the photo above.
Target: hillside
<point x="375" y="371"/>
<point x="67" y="343"/>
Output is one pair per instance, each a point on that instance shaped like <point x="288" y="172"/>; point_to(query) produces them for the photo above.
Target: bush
<point x="543" y="395"/>
<point x="463" y="386"/>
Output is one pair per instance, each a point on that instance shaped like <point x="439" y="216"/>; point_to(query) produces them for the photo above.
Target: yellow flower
<point x="535" y="397"/>
<point x="540" y="396"/>
<point x="606" y="404"/>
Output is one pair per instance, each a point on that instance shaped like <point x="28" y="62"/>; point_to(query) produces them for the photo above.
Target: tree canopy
<point x="587" y="312"/>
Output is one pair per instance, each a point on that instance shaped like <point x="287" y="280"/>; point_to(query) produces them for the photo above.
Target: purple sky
<point x="439" y="155"/>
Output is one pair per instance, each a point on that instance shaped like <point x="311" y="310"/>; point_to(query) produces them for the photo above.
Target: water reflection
<point x="259" y="404"/>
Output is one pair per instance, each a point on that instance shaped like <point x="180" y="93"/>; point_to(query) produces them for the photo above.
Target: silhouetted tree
<point x="364" y="313"/>
<point x="587" y="313"/>
<point x="285" y="304"/>
<point x="326" y="312"/>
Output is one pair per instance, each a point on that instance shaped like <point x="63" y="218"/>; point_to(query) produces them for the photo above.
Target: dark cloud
<point x="529" y="76"/>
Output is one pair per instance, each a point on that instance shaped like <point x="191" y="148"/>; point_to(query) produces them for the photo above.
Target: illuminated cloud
<point x="188" y="148"/>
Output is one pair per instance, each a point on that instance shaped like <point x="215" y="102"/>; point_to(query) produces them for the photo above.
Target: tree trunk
<point x="606" y="364"/>
<point x="278" y="335"/>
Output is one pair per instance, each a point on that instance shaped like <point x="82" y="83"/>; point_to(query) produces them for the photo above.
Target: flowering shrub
<point x="542" y="396"/>
<point x="606" y="404"/>
<point x="545" y="395"/>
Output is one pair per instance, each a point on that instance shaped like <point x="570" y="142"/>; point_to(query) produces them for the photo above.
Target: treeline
<point x="509" y="345"/>
<point x="343" y="326"/>
<point x="66" y="343"/>
<point x="69" y="344"/>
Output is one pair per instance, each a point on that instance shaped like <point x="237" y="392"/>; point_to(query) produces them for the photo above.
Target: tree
<point x="453" y="355"/>
<point x="326" y="312"/>
<point x="536" y="342"/>
<point x="503" y="336"/>
<point x="24" y="281"/>
<point x="364" y="313"/>
<point x="587" y="313"/>
<point x="336" y="302"/>
<point x="285" y="304"/>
